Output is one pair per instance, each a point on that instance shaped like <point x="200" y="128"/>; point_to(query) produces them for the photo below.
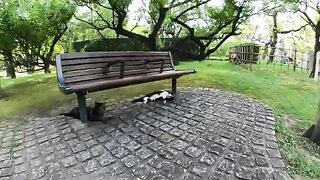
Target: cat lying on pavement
<point x="96" y="113"/>
<point x="162" y="95"/>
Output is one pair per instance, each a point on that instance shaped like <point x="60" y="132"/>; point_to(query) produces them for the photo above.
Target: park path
<point x="205" y="134"/>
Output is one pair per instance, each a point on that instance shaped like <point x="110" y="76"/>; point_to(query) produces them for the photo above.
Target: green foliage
<point x="79" y="45"/>
<point x="33" y="28"/>
<point x="80" y="32"/>
<point x="127" y="44"/>
<point x="223" y="51"/>
<point x="195" y="20"/>
<point x="7" y="41"/>
<point x="122" y="44"/>
<point x="295" y="154"/>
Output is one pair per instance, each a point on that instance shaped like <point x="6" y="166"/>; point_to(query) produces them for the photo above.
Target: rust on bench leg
<point x="174" y="86"/>
<point x="82" y="107"/>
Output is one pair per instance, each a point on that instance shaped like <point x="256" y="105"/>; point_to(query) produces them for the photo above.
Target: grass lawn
<point x="292" y="96"/>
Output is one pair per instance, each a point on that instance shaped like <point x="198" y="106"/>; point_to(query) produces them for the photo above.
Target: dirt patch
<point x="310" y="149"/>
<point x="292" y="124"/>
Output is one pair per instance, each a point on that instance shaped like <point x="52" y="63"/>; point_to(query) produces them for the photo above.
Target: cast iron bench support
<point x="83" y="73"/>
<point x="82" y="106"/>
<point x="174" y="86"/>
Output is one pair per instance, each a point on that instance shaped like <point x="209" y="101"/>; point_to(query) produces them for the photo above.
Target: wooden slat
<point x="103" y="65"/>
<point x="112" y="54"/>
<point x="102" y="85"/>
<point x="112" y="59"/>
<point x="117" y="63"/>
<point x="86" y="66"/>
<point x="113" y="75"/>
<point x="100" y="70"/>
<point x="114" y="78"/>
<point x="82" y="72"/>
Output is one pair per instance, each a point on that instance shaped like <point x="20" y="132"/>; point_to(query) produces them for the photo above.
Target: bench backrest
<point x="85" y="67"/>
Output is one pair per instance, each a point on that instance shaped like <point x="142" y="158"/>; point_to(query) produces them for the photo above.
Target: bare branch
<point x="172" y="5"/>
<point x="292" y="30"/>
<point x="307" y="18"/>
<point x="191" y="30"/>
<point x="191" y="8"/>
<point x="102" y="18"/>
<point x="98" y="29"/>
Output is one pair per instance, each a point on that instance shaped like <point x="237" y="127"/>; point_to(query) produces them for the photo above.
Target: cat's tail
<point x="66" y="114"/>
<point x="137" y="100"/>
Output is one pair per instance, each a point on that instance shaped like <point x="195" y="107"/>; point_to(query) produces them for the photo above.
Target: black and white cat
<point x="96" y="113"/>
<point x="162" y="95"/>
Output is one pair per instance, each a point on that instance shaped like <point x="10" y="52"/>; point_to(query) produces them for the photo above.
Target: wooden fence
<point x="244" y="54"/>
<point x="248" y="54"/>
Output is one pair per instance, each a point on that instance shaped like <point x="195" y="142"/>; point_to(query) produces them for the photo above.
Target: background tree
<point x="196" y="22"/>
<point x="276" y="8"/>
<point x="78" y="31"/>
<point x="309" y="11"/>
<point x="41" y="28"/>
<point x="218" y="24"/>
<point x="31" y="30"/>
<point x="7" y="40"/>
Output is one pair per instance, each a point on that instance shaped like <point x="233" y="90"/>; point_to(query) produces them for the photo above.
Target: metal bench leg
<point x="82" y="107"/>
<point x="174" y="86"/>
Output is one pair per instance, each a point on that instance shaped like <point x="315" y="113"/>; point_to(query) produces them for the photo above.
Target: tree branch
<point x="190" y="8"/>
<point x="307" y="18"/>
<point x="157" y="26"/>
<point x="292" y="30"/>
<point x="98" y="29"/>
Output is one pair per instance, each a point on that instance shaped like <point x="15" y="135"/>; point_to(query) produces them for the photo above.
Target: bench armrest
<point x="189" y="71"/>
<point x="63" y="88"/>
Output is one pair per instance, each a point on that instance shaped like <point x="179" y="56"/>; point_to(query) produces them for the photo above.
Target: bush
<point x="120" y="44"/>
<point x="80" y="45"/>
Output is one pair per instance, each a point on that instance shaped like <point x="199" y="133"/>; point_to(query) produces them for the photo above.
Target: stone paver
<point x="205" y="134"/>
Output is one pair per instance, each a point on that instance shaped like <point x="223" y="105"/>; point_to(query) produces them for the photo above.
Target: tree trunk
<point x="10" y="69"/>
<point x="152" y="44"/>
<point x="315" y="136"/>
<point x="46" y="67"/>
<point x="316" y="48"/>
<point x="265" y="50"/>
<point x="274" y="40"/>
<point x="2" y="93"/>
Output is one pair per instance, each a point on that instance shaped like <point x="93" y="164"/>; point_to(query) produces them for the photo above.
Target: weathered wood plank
<point x="112" y="54"/>
<point x="113" y="75"/>
<point x="112" y="59"/>
<point x="92" y="86"/>
<point x="114" y="66"/>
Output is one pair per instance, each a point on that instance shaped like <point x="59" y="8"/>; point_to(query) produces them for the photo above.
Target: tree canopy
<point x="31" y="30"/>
<point x="196" y="22"/>
<point x="190" y="29"/>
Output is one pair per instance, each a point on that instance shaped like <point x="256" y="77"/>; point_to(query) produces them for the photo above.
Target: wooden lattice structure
<point x="244" y="54"/>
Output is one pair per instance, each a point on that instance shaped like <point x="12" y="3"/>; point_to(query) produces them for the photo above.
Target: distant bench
<point x="83" y="73"/>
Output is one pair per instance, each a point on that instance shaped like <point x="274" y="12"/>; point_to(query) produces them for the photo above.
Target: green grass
<point x="287" y="92"/>
<point x="292" y="96"/>
<point x="6" y="83"/>
<point x="28" y="95"/>
<point x="39" y="94"/>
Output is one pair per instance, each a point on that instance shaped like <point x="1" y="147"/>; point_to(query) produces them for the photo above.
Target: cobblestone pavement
<point x="205" y="134"/>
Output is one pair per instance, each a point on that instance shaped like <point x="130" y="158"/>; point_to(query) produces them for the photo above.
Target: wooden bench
<point x="83" y="73"/>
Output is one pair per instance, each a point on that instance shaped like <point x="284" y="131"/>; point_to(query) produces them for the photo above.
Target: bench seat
<point x="115" y="83"/>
